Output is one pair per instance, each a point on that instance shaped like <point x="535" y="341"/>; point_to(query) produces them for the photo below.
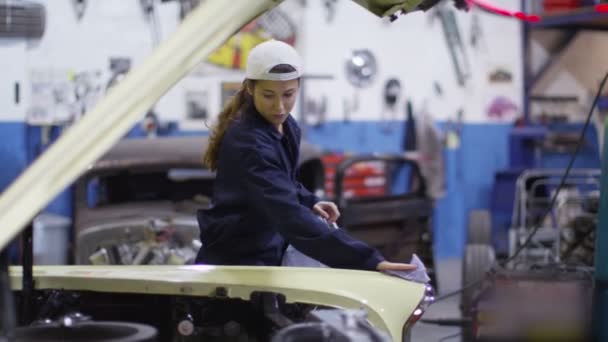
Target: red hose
<point x="488" y="7"/>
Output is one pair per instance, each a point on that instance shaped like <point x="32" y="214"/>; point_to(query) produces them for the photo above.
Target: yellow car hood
<point x="389" y="301"/>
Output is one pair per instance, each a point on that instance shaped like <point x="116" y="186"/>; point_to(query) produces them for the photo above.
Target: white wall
<point x="109" y="28"/>
<point x="413" y="49"/>
<point x="12" y="64"/>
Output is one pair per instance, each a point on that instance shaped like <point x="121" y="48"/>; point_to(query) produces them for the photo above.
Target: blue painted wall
<point x="13" y="156"/>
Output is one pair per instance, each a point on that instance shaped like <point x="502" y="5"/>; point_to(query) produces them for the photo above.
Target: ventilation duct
<point x="22" y="19"/>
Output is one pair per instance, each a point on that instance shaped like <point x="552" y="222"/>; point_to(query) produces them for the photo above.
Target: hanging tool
<point x="185" y="6"/>
<point x="477" y="39"/>
<point x="410" y="138"/>
<point x="392" y="90"/>
<point x="151" y="16"/>
<point x="349" y="106"/>
<point x="330" y="10"/>
<point x="303" y="117"/>
<point x="453" y="38"/>
<point x="315" y="111"/>
<point x="79" y="7"/>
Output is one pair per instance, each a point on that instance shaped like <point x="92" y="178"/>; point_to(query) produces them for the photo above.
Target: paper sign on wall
<point x="62" y="96"/>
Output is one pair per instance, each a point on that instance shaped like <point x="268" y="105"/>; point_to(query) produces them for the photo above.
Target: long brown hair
<point x="231" y="112"/>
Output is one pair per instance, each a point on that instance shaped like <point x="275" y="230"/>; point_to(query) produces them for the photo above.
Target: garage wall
<point x="77" y="52"/>
<point x="412" y="49"/>
<point x="50" y="70"/>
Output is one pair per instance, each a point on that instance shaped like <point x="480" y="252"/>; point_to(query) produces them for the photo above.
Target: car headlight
<point x="427" y="300"/>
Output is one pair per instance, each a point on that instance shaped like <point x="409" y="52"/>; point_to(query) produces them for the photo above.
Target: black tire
<point x="480" y="227"/>
<point x="478" y="260"/>
<point x="89" y="331"/>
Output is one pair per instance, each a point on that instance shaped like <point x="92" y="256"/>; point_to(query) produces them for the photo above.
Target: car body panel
<point x="388" y="308"/>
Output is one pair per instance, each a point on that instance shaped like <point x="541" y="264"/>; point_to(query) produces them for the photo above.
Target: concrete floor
<point x="449" y="276"/>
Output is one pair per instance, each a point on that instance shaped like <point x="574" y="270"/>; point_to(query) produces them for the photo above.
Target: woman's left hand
<point x="394" y="266"/>
<point x="327" y="210"/>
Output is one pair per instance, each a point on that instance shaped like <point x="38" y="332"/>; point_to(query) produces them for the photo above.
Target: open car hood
<point x="388" y="309"/>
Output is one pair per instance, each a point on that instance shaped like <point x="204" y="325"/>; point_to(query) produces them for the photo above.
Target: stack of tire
<point x="98" y="331"/>
<point x="479" y="257"/>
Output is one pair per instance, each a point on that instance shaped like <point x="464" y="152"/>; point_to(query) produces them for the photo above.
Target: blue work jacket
<point x="259" y="207"/>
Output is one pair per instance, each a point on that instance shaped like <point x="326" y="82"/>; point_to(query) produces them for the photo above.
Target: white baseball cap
<point x="269" y="54"/>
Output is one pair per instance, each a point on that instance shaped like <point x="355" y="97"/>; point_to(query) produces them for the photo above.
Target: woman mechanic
<point x="258" y="205"/>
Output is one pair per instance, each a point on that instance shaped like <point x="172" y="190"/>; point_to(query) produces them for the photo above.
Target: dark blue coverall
<point x="259" y="207"/>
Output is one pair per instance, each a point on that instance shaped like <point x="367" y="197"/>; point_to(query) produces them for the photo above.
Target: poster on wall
<point x="502" y="98"/>
<point x="61" y="96"/>
<point x="501" y="108"/>
<point x="276" y="24"/>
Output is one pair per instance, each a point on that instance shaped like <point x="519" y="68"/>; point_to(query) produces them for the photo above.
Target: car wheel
<point x="89" y="331"/>
<point x="480" y="227"/>
<point x="478" y="260"/>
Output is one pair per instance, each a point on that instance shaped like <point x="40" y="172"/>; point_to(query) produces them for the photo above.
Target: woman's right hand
<point x="394" y="266"/>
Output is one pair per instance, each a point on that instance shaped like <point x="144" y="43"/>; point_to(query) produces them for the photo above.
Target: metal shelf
<point x="571" y="23"/>
<point x="585" y="18"/>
